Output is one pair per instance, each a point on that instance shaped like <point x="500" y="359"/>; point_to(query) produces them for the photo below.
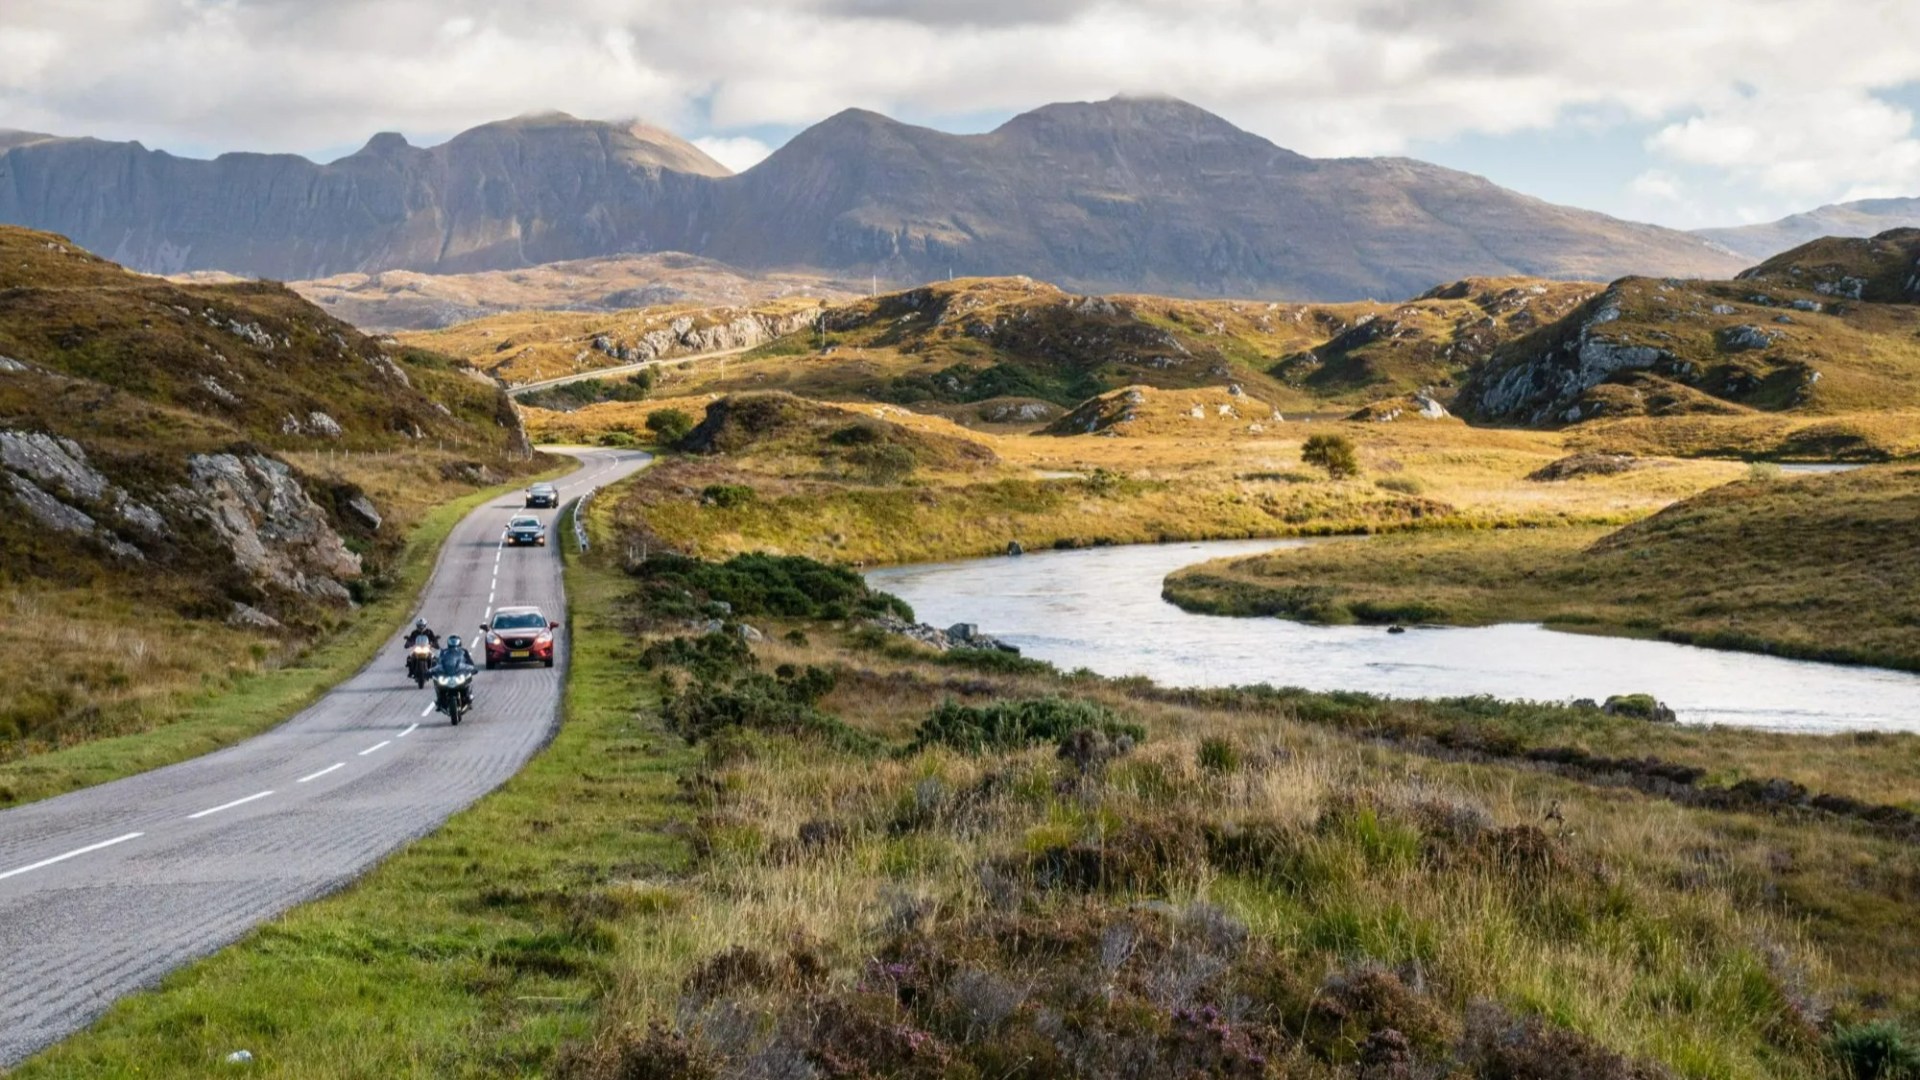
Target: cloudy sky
<point x="1688" y="113"/>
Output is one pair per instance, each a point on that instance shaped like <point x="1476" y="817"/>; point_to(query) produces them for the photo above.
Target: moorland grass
<point x="1819" y="567"/>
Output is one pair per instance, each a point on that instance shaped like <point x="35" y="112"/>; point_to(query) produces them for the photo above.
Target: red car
<point x="519" y="635"/>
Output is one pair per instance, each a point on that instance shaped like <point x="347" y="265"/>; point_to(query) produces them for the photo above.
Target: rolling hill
<point x="1861" y="218"/>
<point x="1829" y="328"/>
<point x="1131" y="194"/>
<point x="202" y="478"/>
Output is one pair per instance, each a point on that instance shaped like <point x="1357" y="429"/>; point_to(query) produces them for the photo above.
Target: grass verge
<point x="225" y="709"/>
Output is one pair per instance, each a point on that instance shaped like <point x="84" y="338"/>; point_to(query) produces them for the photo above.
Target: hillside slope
<point x="409" y="300"/>
<point x="202" y="477"/>
<point x="1145" y="194"/>
<point x="1861" y="218"/>
<point x="1000" y="350"/>
<point x="1826" y="329"/>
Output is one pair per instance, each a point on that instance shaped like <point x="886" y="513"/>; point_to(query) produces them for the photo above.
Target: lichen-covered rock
<point x="1747" y="337"/>
<point x="47" y="510"/>
<point x="51" y="462"/>
<point x="277" y="534"/>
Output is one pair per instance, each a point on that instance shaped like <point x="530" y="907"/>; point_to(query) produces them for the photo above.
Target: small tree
<point x="1333" y="453"/>
<point x="669" y="425"/>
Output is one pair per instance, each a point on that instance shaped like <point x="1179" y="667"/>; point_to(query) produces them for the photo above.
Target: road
<point x="622" y="369"/>
<point x="105" y="890"/>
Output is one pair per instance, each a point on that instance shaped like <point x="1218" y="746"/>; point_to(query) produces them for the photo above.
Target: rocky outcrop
<point x="957" y="636"/>
<point x="52" y="478"/>
<point x="1545" y="387"/>
<point x="277" y="534"/>
<point x="688" y="335"/>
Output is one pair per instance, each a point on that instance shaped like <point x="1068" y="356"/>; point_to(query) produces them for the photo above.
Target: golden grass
<point x="1819" y="566"/>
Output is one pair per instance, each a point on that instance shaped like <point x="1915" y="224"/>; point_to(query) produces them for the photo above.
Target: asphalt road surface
<point x="105" y="890"/>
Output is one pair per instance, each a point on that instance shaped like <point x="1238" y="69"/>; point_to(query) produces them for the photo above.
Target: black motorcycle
<point x="420" y="663"/>
<point x="451" y="694"/>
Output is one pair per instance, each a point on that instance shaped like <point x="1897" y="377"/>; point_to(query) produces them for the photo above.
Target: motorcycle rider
<point x="421" y="630"/>
<point x="455" y="659"/>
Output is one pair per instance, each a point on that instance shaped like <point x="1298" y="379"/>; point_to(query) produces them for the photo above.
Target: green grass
<point x="473" y="953"/>
<point x="232" y="708"/>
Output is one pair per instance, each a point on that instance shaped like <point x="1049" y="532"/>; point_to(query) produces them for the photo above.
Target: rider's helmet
<point x="419" y="624"/>
<point x="453" y="642"/>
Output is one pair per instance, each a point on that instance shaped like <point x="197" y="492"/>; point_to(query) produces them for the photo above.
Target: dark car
<point x="526" y="529"/>
<point x="519" y="635"/>
<point x="543" y="495"/>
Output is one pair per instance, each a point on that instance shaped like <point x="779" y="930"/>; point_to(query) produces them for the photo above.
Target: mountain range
<point x="1130" y="194"/>
<point x="1858" y="219"/>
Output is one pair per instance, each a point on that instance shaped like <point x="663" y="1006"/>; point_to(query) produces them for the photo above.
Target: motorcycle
<point x="420" y="664"/>
<point x="451" y="696"/>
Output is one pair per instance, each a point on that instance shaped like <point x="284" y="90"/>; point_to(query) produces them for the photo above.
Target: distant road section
<point x="103" y="891"/>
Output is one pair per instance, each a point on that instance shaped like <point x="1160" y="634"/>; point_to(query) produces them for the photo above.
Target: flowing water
<point x="1100" y="608"/>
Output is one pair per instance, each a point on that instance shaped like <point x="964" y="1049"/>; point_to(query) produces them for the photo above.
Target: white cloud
<point x="1802" y="145"/>
<point x="738" y="152"/>
<point x="1773" y="97"/>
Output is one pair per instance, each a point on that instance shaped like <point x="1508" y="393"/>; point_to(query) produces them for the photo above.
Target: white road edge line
<point x="70" y="854"/>
<point x="374" y="747"/>
<point x="228" y="805"/>
<point x="322" y="772"/>
<point x="409" y="731"/>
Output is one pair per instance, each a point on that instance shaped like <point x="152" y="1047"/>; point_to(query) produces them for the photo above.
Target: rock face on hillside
<point x="1883" y="269"/>
<point x="276" y="533"/>
<point x="1130" y="194"/>
<point x="1830" y="326"/>
<point x="249" y="510"/>
<point x="1547" y="389"/>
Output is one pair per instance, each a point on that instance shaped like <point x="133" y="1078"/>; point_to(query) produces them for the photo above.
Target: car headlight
<point x="545" y="638"/>
<point x="493" y="639"/>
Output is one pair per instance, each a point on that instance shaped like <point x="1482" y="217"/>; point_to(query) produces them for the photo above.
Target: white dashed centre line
<point x="427" y="710"/>
<point x="228" y="805"/>
<point x="375" y="746"/>
<point x="409" y="731"/>
<point x="322" y="772"/>
<point x="76" y="851"/>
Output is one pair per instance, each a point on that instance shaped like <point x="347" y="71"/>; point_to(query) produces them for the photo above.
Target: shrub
<point x="709" y="658"/>
<point x="1405" y="485"/>
<point x="1876" y="1051"/>
<point x="1218" y="755"/>
<point x="886" y="463"/>
<point x="670" y="425"/>
<point x="1013" y="725"/>
<point x="787" y="586"/>
<point x="1763" y="470"/>
<point x="759" y="702"/>
<point x="728" y="496"/>
<point x="1334" y="453"/>
<point x="858" y="433"/>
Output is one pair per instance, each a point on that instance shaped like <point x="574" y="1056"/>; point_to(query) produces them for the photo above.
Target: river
<point x="1100" y="608"/>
